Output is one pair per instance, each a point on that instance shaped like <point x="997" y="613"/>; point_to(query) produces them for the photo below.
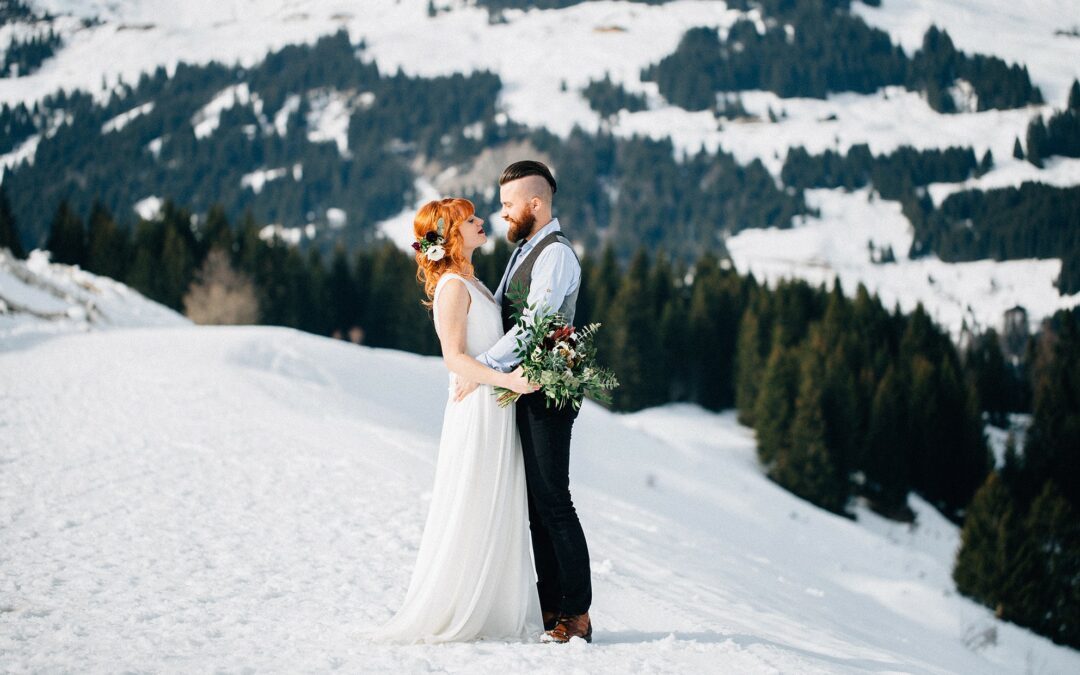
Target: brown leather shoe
<point x="570" y="626"/>
<point x="551" y="618"/>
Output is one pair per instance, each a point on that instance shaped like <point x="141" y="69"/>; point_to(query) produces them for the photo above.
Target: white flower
<point x="435" y="253"/>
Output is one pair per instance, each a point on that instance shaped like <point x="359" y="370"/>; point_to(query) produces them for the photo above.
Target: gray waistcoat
<point x="523" y="276"/>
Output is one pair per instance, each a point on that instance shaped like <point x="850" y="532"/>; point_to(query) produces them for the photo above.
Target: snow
<point x="257" y="179"/>
<point x="154" y="147"/>
<point x="149" y="208"/>
<point x="290" y="235"/>
<point x="120" y="121"/>
<point x="1010" y="172"/>
<point x="998" y="439"/>
<point x="336" y="218"/>
<point x="38" y="298"/>
<point x="281" y="117"/>
<point x="160" y="525"/>
<point x="399" y="228"/>
<point x="208" y="118"/>
<point x="23" y="153"/>
<point x="836" y="246"/>
<point x="328" y="120"/>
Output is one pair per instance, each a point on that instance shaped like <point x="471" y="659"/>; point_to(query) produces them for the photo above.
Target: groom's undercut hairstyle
<point x="528" y="167"/>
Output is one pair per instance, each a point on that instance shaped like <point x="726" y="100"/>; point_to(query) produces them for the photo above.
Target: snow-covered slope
<point x="1035" y="33"/>
<point x="224" y="499"/>
<point x="545" y="57"/>
<point x="836" y="246"/>
<point x="38" y="297"/>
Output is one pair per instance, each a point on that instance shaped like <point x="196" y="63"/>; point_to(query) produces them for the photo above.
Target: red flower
<point x="564" y="333"/>
<point x="416" y="246"/>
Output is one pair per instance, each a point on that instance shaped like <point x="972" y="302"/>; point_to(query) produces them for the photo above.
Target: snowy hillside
<point x="544" y="58"/>
<point x="40" y="298"/>
<point x="235" y="498"/>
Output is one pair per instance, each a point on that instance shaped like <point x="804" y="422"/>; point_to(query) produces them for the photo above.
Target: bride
<point x="474" y="575"/>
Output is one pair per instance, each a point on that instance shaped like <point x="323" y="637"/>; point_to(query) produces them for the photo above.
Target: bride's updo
<point x="431" y="266"/>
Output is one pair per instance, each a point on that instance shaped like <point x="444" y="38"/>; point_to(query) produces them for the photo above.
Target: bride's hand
<point x="463" y="388"/>
<point x="516" y="381"/>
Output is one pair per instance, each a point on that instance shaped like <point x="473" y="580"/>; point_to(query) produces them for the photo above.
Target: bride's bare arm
<point x="453" y="312"/>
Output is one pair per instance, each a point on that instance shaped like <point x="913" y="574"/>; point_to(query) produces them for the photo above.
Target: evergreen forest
<point x="154" y="138"/>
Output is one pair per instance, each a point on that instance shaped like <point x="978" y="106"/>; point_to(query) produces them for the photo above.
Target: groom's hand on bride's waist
<point x="463" y="388"/>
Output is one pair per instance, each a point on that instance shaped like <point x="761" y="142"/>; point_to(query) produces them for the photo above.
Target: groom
<point x="545" y="264"/>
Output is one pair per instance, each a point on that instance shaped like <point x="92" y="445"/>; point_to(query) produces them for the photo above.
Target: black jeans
<point x="562" y="557"/>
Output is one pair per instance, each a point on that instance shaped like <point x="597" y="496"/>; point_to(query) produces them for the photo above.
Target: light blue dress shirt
<point x="555" y="275"/>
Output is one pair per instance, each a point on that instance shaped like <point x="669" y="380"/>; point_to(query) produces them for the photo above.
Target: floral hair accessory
<point x="432" y="244"/>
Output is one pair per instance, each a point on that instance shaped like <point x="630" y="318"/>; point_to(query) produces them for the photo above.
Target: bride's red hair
<point x="454" y="211"/>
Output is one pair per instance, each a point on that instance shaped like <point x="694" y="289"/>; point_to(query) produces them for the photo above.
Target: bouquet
<point x="557" y="356"/>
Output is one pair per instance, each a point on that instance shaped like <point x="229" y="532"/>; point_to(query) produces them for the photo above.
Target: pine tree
<point x="362" y="278"/>
<point x="342" y="295"/>
<point x="67" y="237"/>
<point x="249" y="247"/>
<point x="986" y="363"/>
<point x="635" y="341"/>
<point x="388" y="298"/>
<point x="1018" y="150"/>
<point x="1037" y="141"/>
<point x="107" y="249"/>
<point x="216" y="232"/>
<point x="749" y="366"/>
<point x="314" y="311"/>
<point x="982" y="565"/>
<point x="845" y="424"/>
<point x="674" y="343"/>
<point x="1052" y="451"/>
<point x="669" y="310"/>
<point x="1074" y="96"/>
<point x="1051" y="597"/>
<point x="887" y="458"/>
<point x="775" y="406"/>
<point x="603" y="283"/>
<point x="9" y="231"/>
<point x="808" y="469"/>
<point x="142" y="275"/>
<point x="711" y="340"/>
<point x="176" y="268"/>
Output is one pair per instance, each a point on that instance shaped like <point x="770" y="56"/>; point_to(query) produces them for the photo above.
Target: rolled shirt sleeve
<point x="555" y="275"/>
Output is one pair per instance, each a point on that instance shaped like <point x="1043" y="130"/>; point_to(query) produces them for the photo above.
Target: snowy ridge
<point x="38" y="298"/>
<point x="234" y="498"/>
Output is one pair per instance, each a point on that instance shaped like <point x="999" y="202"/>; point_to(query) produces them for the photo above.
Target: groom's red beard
<point x="519" y="229"/>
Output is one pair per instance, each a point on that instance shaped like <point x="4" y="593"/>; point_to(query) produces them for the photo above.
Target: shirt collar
<point x="544" y="231"/>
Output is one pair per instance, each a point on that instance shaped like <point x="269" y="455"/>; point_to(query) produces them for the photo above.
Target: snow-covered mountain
<point x="189" y="498"/>
<point x="544" y="58"/>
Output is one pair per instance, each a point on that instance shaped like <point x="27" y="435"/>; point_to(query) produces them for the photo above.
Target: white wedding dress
<point x="474" y="576"/>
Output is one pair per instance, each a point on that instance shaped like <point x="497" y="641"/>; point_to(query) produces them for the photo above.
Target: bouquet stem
<point x="505" y="396"/>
